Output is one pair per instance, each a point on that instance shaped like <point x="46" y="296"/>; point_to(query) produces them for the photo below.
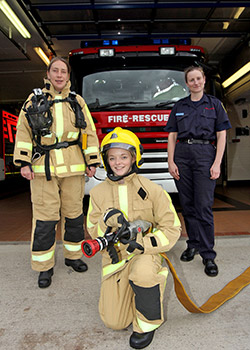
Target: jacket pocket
<point x="37" y="190"/>
<point x="143" y="210"/>
<point x="182" y="122"/>
<point x="208" y="120"/>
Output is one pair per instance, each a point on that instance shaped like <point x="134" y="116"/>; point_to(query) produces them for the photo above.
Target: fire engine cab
<point x="134" y="86"/>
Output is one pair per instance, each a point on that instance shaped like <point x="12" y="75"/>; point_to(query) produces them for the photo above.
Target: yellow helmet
<point x="122" y="138"/>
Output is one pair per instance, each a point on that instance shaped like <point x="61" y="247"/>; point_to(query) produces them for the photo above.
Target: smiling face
<point x="58" y="75"/>
<point x="120" y="161"/>
<point x="196" y="81"/>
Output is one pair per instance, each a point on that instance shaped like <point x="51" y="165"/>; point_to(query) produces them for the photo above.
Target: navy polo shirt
<point x="198" y="120"/>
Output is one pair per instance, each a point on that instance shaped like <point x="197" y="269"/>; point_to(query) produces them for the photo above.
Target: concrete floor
<point x="65" y="315"/>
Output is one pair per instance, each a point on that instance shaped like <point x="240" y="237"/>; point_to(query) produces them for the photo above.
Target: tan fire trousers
<point x="135" y="295"/>
<point x="59" y="198"/>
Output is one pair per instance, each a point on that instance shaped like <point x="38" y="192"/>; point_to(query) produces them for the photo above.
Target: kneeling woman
<point x="132" y="289"/>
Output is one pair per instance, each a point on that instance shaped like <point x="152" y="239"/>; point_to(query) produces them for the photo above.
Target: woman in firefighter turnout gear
<point x="56" y="144"/>
<point x="132" y="288"/>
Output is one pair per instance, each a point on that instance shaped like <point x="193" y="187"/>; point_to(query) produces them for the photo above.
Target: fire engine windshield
<point x="133" y="88"/>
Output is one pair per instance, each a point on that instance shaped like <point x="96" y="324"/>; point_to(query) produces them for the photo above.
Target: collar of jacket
<point x="49" y="88"/>
<point x="188" y="101"/>
<point x="126" y="180"/>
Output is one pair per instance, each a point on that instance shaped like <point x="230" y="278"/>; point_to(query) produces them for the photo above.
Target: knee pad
<point x="74" y="231"/>
<point x="44" y="235"/>
<point x="147" y="301"/>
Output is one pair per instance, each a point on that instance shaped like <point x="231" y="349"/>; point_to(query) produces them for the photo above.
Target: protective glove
<point x="134" y="245"/>
<point x="114" y="218"/>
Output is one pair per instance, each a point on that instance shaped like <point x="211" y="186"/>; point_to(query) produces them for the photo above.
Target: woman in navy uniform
<point x="198" y="122"/>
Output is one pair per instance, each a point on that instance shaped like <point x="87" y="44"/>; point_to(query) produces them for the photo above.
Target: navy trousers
<point x="196" y="193"/>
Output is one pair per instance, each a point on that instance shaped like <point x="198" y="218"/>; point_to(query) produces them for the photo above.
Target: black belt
<point x="45" y="149"/>
<point x="199" y="141"/>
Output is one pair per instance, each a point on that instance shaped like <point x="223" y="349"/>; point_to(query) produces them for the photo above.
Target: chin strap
<point x="113" y="177"/>
<point x="217" y="299"/>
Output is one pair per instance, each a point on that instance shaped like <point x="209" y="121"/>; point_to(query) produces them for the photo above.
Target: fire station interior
<point x="65" y="316"/>
<point x="220" y="27"/>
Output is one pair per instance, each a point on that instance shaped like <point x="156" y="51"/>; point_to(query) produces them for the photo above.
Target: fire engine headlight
<point x="167" y="50"/>
<point x="106" y="52"/>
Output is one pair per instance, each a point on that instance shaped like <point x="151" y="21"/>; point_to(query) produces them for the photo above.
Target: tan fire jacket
<point x="137" y="198"/>
<point x="64" y="161"/>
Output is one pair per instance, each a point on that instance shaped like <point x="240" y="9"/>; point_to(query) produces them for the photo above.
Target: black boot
<point x="211" y="269"/>
<point x="189" y="254"/>
<point x="78" y="265"/>
<point x="44" y="279"/>
<point x="141" y="340"/>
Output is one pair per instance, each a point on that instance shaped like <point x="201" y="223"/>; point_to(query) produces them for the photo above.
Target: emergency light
<point x="106" y="52"/>
<point x="167" y="50"/>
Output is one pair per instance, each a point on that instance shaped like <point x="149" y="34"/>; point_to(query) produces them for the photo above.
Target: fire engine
<point x="135" y="86"/>
<point x="8" y="124"/>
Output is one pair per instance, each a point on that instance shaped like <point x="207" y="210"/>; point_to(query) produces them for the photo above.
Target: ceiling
<point x="58" y="26"/>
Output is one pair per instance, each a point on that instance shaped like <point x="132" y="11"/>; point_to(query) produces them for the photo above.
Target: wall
<point x="238" y="147"/>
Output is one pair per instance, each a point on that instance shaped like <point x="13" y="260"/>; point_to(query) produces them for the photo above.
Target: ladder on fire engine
<point x="217" y="299"/>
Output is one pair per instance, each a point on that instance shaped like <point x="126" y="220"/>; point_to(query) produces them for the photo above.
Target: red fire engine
<point x="134" y="86"/>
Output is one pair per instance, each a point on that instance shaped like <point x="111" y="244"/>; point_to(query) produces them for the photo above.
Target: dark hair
<point x="191" y="68"/>
<point x="55" y="59"/>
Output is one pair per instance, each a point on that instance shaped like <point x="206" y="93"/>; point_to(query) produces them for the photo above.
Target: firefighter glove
<point x="134" y="245"/>
<point x="114" y="218"/>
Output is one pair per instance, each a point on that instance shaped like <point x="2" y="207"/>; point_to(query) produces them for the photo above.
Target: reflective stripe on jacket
<point x="64" y="161"/>
<point x="137" y="198"/>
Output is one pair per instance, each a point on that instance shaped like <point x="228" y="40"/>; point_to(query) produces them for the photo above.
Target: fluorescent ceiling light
<point x="237" y="75"/>
<point x="42" y="55"/>
<point x="14" y="19"/>
<point x="225" y="25"/>
<point x="239" y="12"/>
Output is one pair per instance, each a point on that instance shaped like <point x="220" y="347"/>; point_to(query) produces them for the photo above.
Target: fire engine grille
<point x="155" y="164"/>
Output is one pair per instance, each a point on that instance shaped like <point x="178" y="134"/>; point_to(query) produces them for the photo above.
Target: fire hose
<point x="91" y="247"/>
<point x="217" y="299"/>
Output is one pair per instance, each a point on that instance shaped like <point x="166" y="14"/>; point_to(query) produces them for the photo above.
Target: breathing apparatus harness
<point x="40" y="119"/>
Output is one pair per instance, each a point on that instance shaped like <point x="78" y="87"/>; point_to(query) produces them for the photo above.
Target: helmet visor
<point x="118" y="145"/>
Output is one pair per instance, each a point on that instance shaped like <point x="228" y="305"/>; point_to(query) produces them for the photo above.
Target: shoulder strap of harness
<point x="45" y="149"/>
<point x="75" y="105"/>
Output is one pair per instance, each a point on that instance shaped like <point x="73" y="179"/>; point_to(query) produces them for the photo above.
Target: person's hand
<point x="215" y="171"/>
<point x="90" y="171"/>
<point x="27" y="173"/>
<point x="114" y="218"/>
<point x="173" y="169"/>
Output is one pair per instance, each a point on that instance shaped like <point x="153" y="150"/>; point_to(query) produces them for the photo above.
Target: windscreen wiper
<point x="165" y="103"/>
<point x="96" y="104"/>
